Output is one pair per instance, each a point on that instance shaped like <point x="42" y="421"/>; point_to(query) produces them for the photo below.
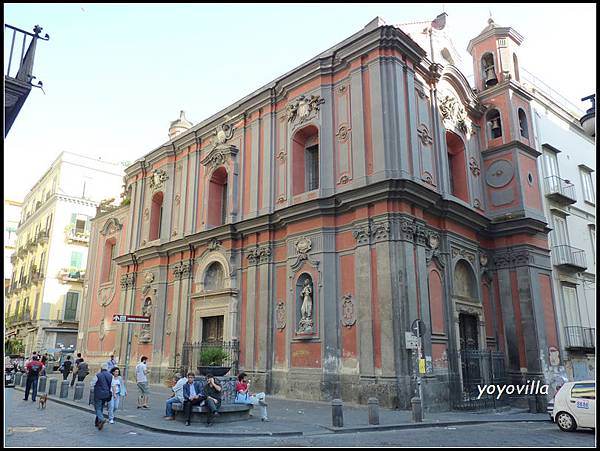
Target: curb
<point x="329" y="429"/>
<point x="169" y="431"/>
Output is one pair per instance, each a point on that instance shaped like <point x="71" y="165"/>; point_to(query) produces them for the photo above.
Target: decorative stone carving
<point x="303" y="247"/>
<point x="214" y="244"/>
<point x="512" y="258"/>
<point x="168" y="330"/>
<point x="427" y="177"/>
<point x="260" y="254"/>
<point x="303" y="109"/>
<point x="222" y="134"/>
<point x="342" y="89"/>
<point x="462" y="253"/>
<point x="434" y="240"/>
<point x="372" y="232"/>
<point x="343" y="133"/>
<point x="281" y="199"/>
<point x="453" y="113"/>
<point x="380" y="230"/>
<point x="424" y="136"/>
<point x="182" y="270"/>
<point x="146" y="214"/>
<point x="305" y="326"/>
<point x="477" y="203"/>
<point x="281" y="156"/>
<point x="177" y="199"/>
<point x="148" y="279"/>
<point x="106" y="295"/>
<point x="483" y="259"/>
<point x="157" y="179"/>
<point x="102" y="329"/>
<point x="345" y="178"/>
<point x="474" y="166"/>
<point x="280" y="315"/>
<point x="362" y="234"/>
<point x="348" y="310"/>
<point x="145" y="332"/>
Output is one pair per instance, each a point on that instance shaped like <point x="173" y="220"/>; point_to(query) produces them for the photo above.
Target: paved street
<point x="60" y="425"/>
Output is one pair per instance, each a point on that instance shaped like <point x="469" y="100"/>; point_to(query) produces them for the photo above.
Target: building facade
<point x="316" y="220"/>
<point x="12" y="215"/>
<point x="44" y="297"/>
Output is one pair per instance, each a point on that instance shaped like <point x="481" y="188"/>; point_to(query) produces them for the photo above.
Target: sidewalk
<point x="288" y="417"/>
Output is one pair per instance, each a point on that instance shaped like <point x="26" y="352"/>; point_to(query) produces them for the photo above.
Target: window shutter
<point x="76" y="260"/>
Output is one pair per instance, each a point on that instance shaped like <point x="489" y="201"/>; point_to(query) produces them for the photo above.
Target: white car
<point x="575" y="406"/>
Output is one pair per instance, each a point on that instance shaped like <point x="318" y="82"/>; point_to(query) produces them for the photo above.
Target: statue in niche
<point x="306" y="322"/>
<point x="145" y="334"/>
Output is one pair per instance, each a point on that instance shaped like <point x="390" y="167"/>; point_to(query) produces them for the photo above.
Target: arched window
<point x="523" y="124"/>
<point x="214" y="277"/>
<point x="516" y="67"/>
<point x="494" y="124"/>
<point x="465" y="284"/>
<point x="488" y="70"/>
<point x="156" y="216"/>
<point x="305" y="160"/>
<point x="457" y="167"/>
<point x="217" y="198"/>
<point x="107" y="258"/>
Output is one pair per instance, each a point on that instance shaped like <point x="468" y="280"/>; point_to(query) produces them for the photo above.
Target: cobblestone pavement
<point x="59" y="426"/>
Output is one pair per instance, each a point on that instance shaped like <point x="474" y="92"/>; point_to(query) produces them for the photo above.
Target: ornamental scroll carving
<point x="424" y="136"/>
<point x="512" y="258"/>
<point x="128" y="280"/>
<point x="372" y="232"/>
<point x="220" y="151"/>
<point x="182" y="270"/>
<point x="111" y="226"/>
<point x="158" y="179"/>
<point x="303" y="246"/>
<point x="453" y="113"/>
<point x="348" y="310"/>
<point x="214" y="244"/>
<point x="303" y="109"/>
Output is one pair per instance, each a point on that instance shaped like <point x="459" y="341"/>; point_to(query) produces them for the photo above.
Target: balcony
<point x="559" y="190"/>
<point x="569" y="259"/>
<point x="66" y="275"/>
<point x="35" y="275"/>
<point x="75" y="236"/>
<point x="13" y="258"/>
<point x="580" y="338"/>
<point x="42" y="237"/>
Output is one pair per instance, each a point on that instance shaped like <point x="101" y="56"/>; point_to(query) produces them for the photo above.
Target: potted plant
<point x="211" y="361"/>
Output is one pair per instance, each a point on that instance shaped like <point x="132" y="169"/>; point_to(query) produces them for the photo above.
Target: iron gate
<point x="190" y="355"/>
<point x="477" y="368"/>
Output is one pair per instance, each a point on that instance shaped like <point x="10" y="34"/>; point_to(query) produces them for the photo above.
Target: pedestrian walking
<point x="102" y="385"/>
<point x="111" y="362"/>
<point x="33" y="368"/>
<point x="118" y="393"/>
<point x="66" y="367"/>
<point x="77" y="361"/>
<point x="82" y="370"/>
<point x="141" y="377"/>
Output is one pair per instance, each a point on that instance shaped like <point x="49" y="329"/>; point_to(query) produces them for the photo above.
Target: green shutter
<point x="76" y="260"/>
<point x="71" y="306"/>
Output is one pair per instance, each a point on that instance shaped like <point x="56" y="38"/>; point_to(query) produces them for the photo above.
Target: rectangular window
<point x="76" y="260"/>
<point x="588" y="186"/>
<point x="559" y="234"/>
<point x="571" y="306"/>
<point x="584" y="391"/>
<point x="312" y="167"/>
<point x="71" y="306"/>
<point x="551" y="164"/>
<point x="224" y="204"/>
<point x="592" y="229"/>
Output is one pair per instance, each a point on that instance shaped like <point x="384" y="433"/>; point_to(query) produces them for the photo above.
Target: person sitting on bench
<point x="193" y="395"/>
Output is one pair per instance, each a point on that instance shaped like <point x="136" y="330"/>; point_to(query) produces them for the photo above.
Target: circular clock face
<point x="499" y="174"/>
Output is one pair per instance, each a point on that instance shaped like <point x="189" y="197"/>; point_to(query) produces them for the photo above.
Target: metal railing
<point x="580" y="337"/>
<point x="555" y="185"/>
<point x="190" y="355"/>
<point x="74" y="235"/>
<point x="565" y="255"/>
<point x="21" y="68"/>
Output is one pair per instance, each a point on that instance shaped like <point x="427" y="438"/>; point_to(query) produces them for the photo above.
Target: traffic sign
<point x="418" y="327"/>
<point x="130" y="319"/>
<point x="412" y="341"/>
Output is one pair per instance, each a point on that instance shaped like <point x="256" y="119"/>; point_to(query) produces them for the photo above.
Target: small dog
<point x="42" y="399"/>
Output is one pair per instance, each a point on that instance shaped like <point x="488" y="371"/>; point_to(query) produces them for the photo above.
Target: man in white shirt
<point x="177" y="396"/>
<point x="141" y="372"/>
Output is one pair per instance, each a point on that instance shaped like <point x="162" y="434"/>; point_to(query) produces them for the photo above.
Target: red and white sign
<point x="130" y="319"/>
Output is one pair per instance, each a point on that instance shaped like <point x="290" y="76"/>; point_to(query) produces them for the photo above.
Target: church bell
<point x="490" y="76"/>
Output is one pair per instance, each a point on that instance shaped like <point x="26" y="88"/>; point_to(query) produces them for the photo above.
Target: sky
<point x="116" y="75"/>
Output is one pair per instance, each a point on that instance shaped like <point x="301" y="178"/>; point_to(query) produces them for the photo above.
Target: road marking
<point x="26" y="429"/>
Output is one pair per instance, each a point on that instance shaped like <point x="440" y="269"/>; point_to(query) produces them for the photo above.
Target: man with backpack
<point x="82" y="371"/>
<point x="33" y="368"/>
<point x="77" y="361"/>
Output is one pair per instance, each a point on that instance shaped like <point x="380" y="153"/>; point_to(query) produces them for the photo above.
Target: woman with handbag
<point x="243" y="396"/>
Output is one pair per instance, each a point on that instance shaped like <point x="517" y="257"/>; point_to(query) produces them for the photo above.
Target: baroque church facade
<point x="315" y="220"/>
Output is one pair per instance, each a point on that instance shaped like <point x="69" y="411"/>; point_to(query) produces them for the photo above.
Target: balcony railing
<point x="580" y="337"/>
<point x="42" y="237"/>
<point x="75" y="236"/>
<point x="559" y="190"/>
<point x="70" y="275"/>
<point x="569" y="258"/>
<point x="35" y="275"/>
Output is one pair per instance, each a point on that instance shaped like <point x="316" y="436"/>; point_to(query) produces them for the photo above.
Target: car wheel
<point x="566" y="422"/>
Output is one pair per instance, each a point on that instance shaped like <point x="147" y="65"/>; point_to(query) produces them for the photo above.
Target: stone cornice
<point x="509" y="147"/>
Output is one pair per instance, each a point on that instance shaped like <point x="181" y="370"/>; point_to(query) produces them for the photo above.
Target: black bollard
<point x="79" y="387"/>
<point x="24" y="380"/>
<point x="52" y="383"/>
<point x="18" y="378"/>
<point x="337" y="414"/>
<point x="42" y="384"/>
<point x="64" y="389"/>
<point x="373" y="404"/>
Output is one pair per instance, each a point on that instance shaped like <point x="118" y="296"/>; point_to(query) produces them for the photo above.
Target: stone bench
<point x="227" y="412"/>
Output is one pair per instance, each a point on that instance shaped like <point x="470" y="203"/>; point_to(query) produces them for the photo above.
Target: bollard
<point x="24" y="380"/>
<point x="52" y="383"/>
<point x="18" y="378"/>
<point x="79" y="387"/>
<point x="91" y="398"/>
<point x="373" y="404"/>
<point x="532" y="404"/>
<point x="337" y="415"/>
<point x="417" y="412"/>
<point x="64" y="389"/>
<point x="42" y="384"/>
